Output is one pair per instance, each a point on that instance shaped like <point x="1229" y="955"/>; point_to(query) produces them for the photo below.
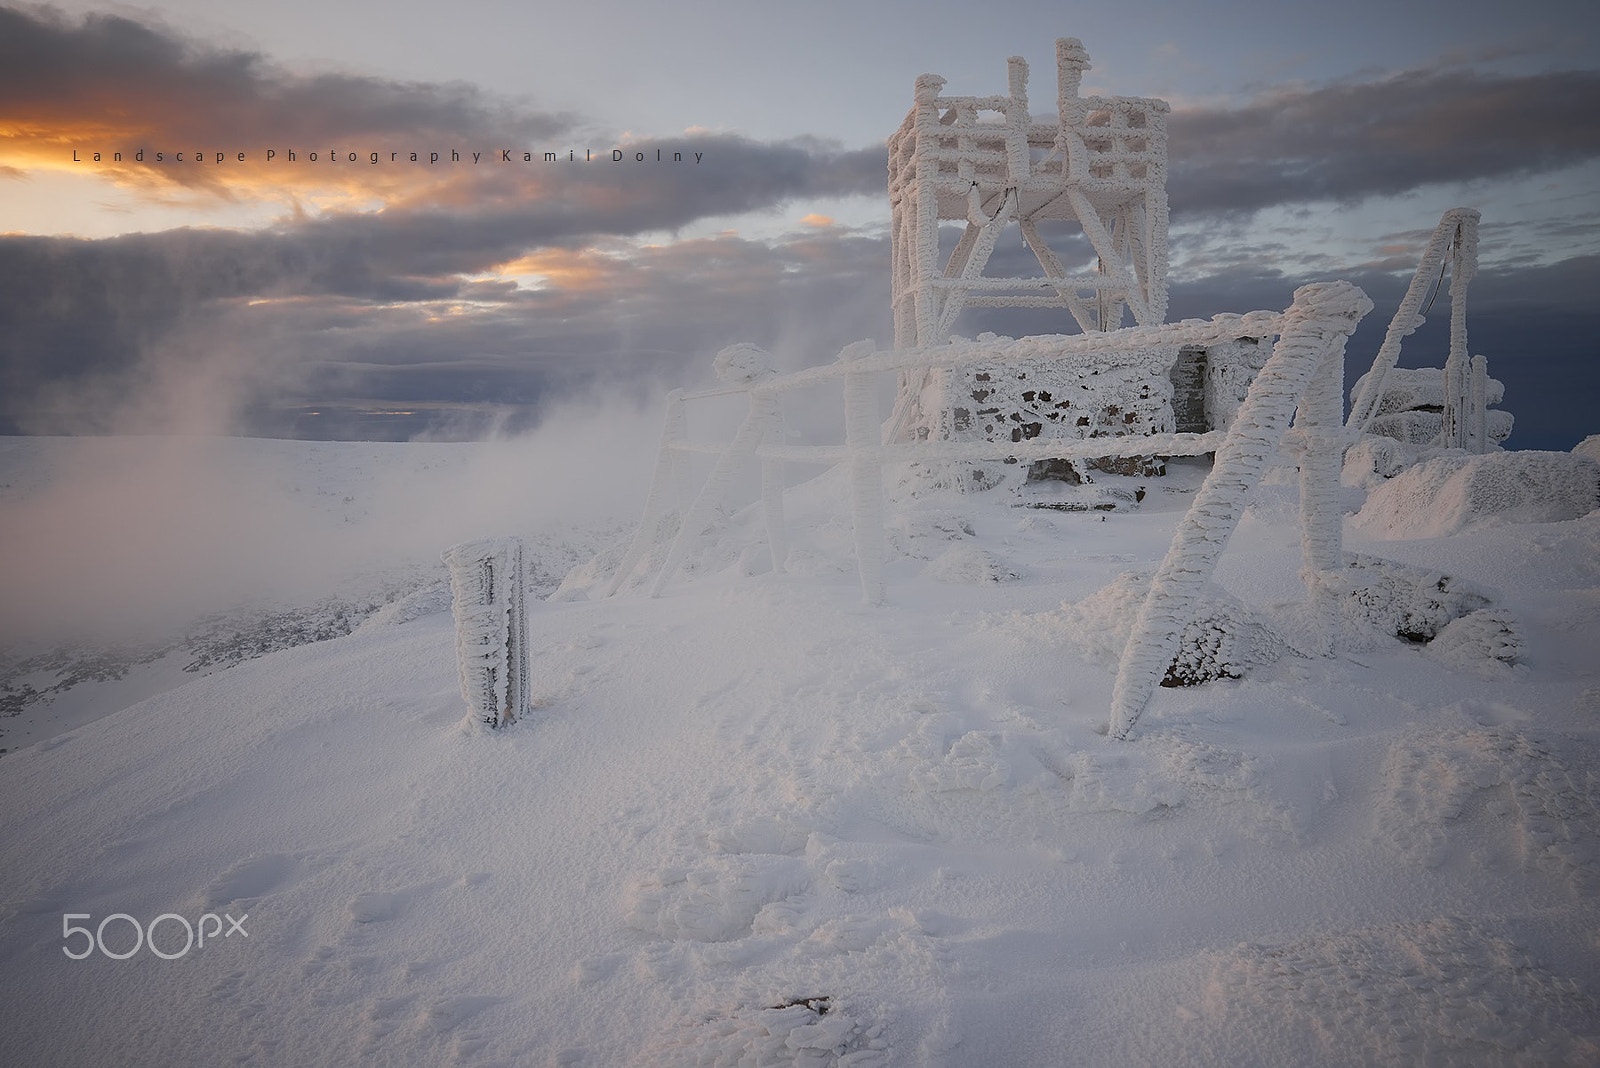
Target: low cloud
<point x="277" y="324"/>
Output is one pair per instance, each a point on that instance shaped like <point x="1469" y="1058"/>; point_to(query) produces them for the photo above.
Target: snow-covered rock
<point x="1414" y="603"/>
<point x="1457" y="492"/>
<point x="1418" y="388"/>
<point x="1484" y="643"/>
<point x="1223" y="641"/>
<point x="1374" y="459"/>
<point x="1412" y="407"/>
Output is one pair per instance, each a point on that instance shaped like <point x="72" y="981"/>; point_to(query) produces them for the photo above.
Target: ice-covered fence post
<point x="1478" y="423"/>
<point x="489" y="604"/>
<point x="922" y="267"/>
<point x="1072" y="59"/>
<point x="772" y="494"/>
<point x="1320" y="423"/>
<point x="1018" y="164"/>
<point x="862" y="436"/>
<point x="738" y="365"/>
<point x="1313" y="329"/>
<point x="669" y="469"/>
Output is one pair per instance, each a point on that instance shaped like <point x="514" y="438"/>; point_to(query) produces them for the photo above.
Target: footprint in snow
<point x="374" y="907"/>
<point x="759" y="835"/>
<point x="718" y="900"/>
<point x="383" y="1016"/>
<point x="252" y="878"/>
<point x="447" y="1014"/>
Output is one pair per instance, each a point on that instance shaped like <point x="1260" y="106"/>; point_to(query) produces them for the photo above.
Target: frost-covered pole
<point x="489" y="604"/>
<point x="1463" y="265"/>
<point x="862" y="436"/>
<point x="1321" y="317"/>
<point x="669" y="472"/>
<point x="1154" y="220"/>
<point x="1018" y="163"/>
<point x="1072" y="59"/>
<point x="1458" y="226"/>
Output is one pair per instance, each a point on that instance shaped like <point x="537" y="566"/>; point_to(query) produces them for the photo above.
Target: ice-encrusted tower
<point x="1100" y="168"/>
<point x="1102" y="165"/>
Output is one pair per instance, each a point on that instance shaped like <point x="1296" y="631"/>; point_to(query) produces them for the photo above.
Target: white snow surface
<point x="753" y="821"/>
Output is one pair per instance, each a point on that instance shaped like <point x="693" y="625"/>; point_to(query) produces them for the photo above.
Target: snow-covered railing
<point x="1305" y="372"/>
<point x="1454" y="244"/>
<point x="747" y="370"/>
<point x="489" y="603"/>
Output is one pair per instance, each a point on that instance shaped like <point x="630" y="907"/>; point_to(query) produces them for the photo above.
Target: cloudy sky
<point x="332" y="297"/>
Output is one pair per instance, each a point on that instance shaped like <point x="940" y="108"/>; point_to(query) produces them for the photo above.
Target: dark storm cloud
<point x="70" y="307"/>
<point x="1358" y="139"/>
<point x="111" y="72"/>
<point x="498" y="208"/>
<point x="113" y="83"/>
<point x="645" y="318"/>
<point x="645" y="315"/>
<point x="315" y="318"/>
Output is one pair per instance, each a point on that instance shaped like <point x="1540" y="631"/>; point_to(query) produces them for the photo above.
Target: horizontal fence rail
<point x="1304" y="375"/>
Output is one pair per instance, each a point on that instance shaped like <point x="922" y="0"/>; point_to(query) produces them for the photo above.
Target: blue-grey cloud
<point x="1357" y="139"/>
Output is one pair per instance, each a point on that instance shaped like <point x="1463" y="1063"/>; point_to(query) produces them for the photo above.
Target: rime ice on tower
<point x="1101" y="165"/>
<point x="1100" y="169"/>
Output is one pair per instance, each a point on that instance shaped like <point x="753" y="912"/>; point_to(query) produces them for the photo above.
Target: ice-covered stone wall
<point x="1137" y="391"/>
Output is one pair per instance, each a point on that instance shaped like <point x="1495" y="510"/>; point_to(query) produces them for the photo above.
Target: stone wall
<point x="1073" y="397"/>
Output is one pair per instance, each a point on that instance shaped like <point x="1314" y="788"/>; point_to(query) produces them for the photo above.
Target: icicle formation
<point x="490" y="610"/>
<point x="1313" y="336"/>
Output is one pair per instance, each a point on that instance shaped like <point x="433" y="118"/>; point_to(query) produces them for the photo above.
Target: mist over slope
<point x="132" y="563"/>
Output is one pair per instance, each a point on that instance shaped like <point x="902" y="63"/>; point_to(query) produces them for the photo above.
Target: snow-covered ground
<point x="755" y="822"/>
